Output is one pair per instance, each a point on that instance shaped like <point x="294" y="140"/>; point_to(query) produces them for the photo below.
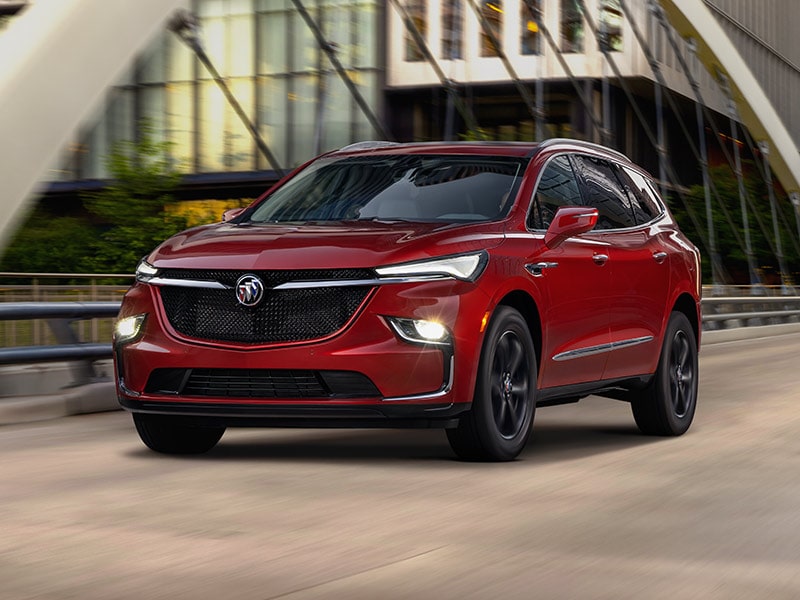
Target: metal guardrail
<point x="745" y="311"/>
<point x="718" y="313"/>
<point x="60" y="316"/>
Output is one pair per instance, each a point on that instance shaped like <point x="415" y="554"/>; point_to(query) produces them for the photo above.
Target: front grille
<point x="260" y="383"/>
<point x="281" y="316"/>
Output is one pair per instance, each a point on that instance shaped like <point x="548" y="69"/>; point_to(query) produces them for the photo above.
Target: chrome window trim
<point x="601" y="348"/>
<point x="620" y="164"/>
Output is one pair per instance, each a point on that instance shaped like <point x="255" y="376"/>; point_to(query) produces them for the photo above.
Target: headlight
<point x="128" y="329"/>
<point x="420" y="331"/>
<point x="466" y="267"/>
<point x="145" y="271"/>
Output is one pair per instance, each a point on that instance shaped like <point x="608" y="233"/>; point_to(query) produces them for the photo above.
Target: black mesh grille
<point x="282" y="315"/>
<point x="260" y="383"/>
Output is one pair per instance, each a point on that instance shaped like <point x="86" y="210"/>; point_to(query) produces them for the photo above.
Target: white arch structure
<point x="693" y="19"/>
<point x="58" y="58"/>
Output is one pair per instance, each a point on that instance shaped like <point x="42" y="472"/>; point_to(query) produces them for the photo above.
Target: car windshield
<point x="427" y="188"/>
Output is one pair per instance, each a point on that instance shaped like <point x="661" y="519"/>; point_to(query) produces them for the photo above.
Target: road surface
<point x="591" y="510"/>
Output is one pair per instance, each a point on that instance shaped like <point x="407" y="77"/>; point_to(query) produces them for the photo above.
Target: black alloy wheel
<point x="499" y="423"/>
<point x="667" y="405"/>
<point x="509" y="385"/>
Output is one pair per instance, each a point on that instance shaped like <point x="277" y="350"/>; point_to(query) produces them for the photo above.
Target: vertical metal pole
<point x="662" y="146"/>
<point x="320" y="112"/>
<point x="755" y="281"/>
<point x="763" y="147"/>
<point x="716" y="280"/>
<point x="540" y="124"/>
<point x="604" y="48"/>
<point x="539" y="84"/>
<point x="449" y="115"/>
<point x="795" y="198"/>
<point x="712" y="242"/>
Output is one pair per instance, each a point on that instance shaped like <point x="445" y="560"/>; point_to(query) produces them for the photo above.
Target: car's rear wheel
<point x="170" y="435"/>
<point x="498" y="425"/>
<point x="667" y="405"/>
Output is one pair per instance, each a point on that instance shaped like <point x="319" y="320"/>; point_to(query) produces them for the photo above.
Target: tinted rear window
<point x="402" y="187"/>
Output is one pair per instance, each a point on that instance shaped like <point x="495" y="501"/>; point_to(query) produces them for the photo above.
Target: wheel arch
<point x="526" y="306"/>
<point x="687" y="305"/>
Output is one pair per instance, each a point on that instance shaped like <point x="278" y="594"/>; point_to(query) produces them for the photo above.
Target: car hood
<point x="362" y="244"/>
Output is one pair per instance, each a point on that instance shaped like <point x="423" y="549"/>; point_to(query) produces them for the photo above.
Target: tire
<point x="500" y="421"/>
<point x="168" y="435"/>
<point x="667" y="406"/>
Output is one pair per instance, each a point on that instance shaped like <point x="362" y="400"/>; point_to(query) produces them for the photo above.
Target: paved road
<point x="592" y="509"/>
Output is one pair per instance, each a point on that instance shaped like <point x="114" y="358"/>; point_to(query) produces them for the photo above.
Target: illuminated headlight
<point x="145" y="271"/>
<point x="420" y="331"/>
<point x="128" y="329"/>
<point x="466" y="267"/>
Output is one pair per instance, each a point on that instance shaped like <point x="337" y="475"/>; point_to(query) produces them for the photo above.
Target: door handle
<point x="600" y="259"/>
<point x="659" y="257"/>
<point x="536" y="269"/>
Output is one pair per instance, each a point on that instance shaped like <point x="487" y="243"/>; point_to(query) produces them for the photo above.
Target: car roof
<point x="494" y="148"/>
<point x="486" y="148"/>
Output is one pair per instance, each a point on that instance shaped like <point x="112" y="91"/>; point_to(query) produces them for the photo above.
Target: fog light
<point x="420" y="331"/>
<point x="430" y="330"/>
<point x="128" y="329"/>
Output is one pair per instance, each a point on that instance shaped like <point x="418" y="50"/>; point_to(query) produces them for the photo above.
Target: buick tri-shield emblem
<point x="249" y="290"/>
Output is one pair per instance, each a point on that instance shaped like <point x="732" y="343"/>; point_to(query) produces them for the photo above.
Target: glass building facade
<point x="274" y="67"/>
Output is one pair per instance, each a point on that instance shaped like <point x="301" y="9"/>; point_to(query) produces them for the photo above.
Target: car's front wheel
<point x="498" y="425"/>
<point x="170" y="435"/>
<point x="667" y="405"/>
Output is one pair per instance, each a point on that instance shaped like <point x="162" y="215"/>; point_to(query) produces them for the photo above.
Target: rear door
<point x="638" y="263"/>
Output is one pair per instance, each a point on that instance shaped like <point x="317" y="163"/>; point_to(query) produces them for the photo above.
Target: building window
<point x="452" y="29"/>
<point x="275" y="69"/>
<point x="611" y="25"/>
<point x="416" y="10"/>
<point x="530" y="18"/>
<point x="572" y="29"/>
<point x="493" y="17"/>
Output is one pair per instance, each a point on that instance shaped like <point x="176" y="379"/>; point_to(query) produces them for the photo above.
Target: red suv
<point x="453" y="285"/>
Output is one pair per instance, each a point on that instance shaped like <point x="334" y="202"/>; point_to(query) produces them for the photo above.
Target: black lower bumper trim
<point x="307" y="416"/>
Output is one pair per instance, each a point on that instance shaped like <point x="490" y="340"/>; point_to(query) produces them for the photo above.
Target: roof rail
<point x="554" y="141"/>
<point x="367" y="145"/>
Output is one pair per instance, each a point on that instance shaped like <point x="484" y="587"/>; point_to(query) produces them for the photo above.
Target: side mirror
<point x="570" y="221"/>
<point x="231" y="214"/>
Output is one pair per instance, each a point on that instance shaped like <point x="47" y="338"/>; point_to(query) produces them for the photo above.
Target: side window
<point x="605" y="193"/>
<point x="557" y="187"/>
<point x="645" y="205"/>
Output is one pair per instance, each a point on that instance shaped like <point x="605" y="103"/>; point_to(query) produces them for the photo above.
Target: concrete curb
<point x="747" y="333"/>
<point x="92" y="398"/>
<point x="102" y="397"/>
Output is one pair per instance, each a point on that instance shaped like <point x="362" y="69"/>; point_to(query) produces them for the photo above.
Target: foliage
<point x="132" y="209"/>
<point x="49" y="243"/>
<point x="728" y="228"/>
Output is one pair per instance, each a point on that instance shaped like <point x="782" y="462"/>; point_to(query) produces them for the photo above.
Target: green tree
<point x="728" y="228"/>
<point x="49" y="243"/>
<point x="132" y="209"/>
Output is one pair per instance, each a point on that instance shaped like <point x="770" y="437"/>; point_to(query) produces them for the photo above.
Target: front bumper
<point x="415" y="385"/>
<point x="306" y="416"/>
